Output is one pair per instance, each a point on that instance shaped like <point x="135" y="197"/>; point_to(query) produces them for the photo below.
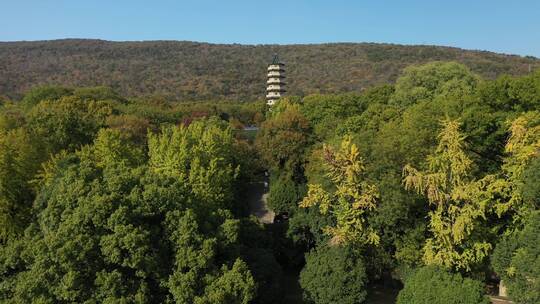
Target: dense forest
<point x="427" y="187"/>
<point x="201" y="71"/>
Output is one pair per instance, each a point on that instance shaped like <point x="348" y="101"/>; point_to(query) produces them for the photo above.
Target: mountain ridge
<point x="269" y="44"/>
<point x="190" y="70"/>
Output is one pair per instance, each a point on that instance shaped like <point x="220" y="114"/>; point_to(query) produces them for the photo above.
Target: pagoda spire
<point x="276" y="59"/>
<point x="275" y="83"/>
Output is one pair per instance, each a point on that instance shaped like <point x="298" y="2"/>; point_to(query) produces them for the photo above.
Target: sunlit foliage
<point x="353" y="198"/>
<point x="448" y="187"/>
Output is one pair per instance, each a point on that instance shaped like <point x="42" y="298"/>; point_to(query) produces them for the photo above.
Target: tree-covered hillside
<point x="427" y="189"/>
<point x="202" y="71"/>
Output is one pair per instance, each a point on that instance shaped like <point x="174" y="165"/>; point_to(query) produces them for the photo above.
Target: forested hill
<point x="191" y="70"/>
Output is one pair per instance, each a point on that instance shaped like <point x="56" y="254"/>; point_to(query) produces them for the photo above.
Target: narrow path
<point x="500" y="300"/>
<point x="257" y="195"/>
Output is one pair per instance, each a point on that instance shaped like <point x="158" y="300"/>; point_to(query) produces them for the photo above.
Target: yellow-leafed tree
<point x="351" y="201"/>
<point x="455" y="199"/>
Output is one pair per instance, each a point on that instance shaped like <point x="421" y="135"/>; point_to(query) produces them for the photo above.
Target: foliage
<point x="325" y="112"/>
<point x="448" y="187"/>
<point x="11" y="116"/>
<point x="512" y="93"/>
<point x="409" y="249"/>
<point x="97" y="93"/>
<point x="517" y="260"/>
<point x="108" y="229"/>
<point x="236" y="286"/>
<point x="67" y="123"/>
<point x="307" y="227"/>
<point x="136" y="128"/>
<point x="334" y="274"/>
<point x="199" y="155"/>
<point x="259" y="249"/>
<point x="431" y="81"/>
<point x="38" y="94"/>
<point x="282" y="139"/>
<point x="434" y="285"/>
<point x="112" y="147"/>
<point x="530" y="189"/>
<point x="20" y="158"/>
<point x="110" y="199"/>
<point x="522" y="147"/>
<point x="201" y="71"/>
<point x="284" y="195"/>
<point x="352" y="200"/>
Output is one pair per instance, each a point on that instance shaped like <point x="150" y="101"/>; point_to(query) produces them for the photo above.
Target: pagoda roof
<point x="275" y="60"/>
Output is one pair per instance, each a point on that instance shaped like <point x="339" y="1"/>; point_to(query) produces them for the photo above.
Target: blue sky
<point x="511" y="26"/>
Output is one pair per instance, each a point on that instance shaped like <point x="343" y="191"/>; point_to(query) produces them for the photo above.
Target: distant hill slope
<point x="191" y="70"/>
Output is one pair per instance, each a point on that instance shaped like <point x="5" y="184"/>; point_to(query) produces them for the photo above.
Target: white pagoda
<point x="275" y="84"/>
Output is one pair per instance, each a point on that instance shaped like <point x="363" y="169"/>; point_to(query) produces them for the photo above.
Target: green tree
<point x="131" y="125"/>
<point x="195" y="278"/>
<point x="325" y="112"/>
<point x="20" y="159"/>
<point x="67" y="123"/>
<point x="258" y="244"/>
<point x="334" y="274"/>
<point x="530" y="189"/>
<point x="517" y="260"/>
<point x="283" y="139"/>
<point x="90" y="238"/>
<point x="307" y="227"/>
<point x="433" y="80"/>
<point x="97" y="93"/>
<point x="11" y="116"/>
<point x="38" y="94"/>
<point x="525" y="92"/>
<point x="436" y="286"/>
<point x="113" y="147"/>
<point x="110" y="229"/>
<point x="235" y="286"/>
<point x="283" y="195"/>
<point x="200" y="155"/>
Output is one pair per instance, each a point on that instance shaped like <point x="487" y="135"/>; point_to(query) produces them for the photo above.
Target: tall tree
<point x="517" y="260"/>
<point x="354" y="197"/>
<point x="20" y="159"/>
<point x="522" y="148"/>
<point x="449" y="188"/>
<point x="67" y="123"/>
<point x="200" y="155"/>
<point x="433" y="80"/>
<point x="282" y="139"/>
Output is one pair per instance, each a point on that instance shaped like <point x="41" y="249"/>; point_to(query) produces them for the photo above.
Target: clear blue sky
<point x="510" y="26"/>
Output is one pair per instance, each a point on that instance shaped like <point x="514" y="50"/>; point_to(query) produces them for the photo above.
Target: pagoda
<point x="275" y="84"/>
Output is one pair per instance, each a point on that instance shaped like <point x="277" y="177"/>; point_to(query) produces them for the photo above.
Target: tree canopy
<point x="431" y="181"/>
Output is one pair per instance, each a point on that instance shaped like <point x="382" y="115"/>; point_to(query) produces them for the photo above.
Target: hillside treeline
<point x="201" y="71"/>
<point x="429" y="186"/>
<point x="432" y="182"/>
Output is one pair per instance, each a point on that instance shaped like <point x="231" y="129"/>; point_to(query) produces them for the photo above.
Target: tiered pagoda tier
<point x="275" y="84"/>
